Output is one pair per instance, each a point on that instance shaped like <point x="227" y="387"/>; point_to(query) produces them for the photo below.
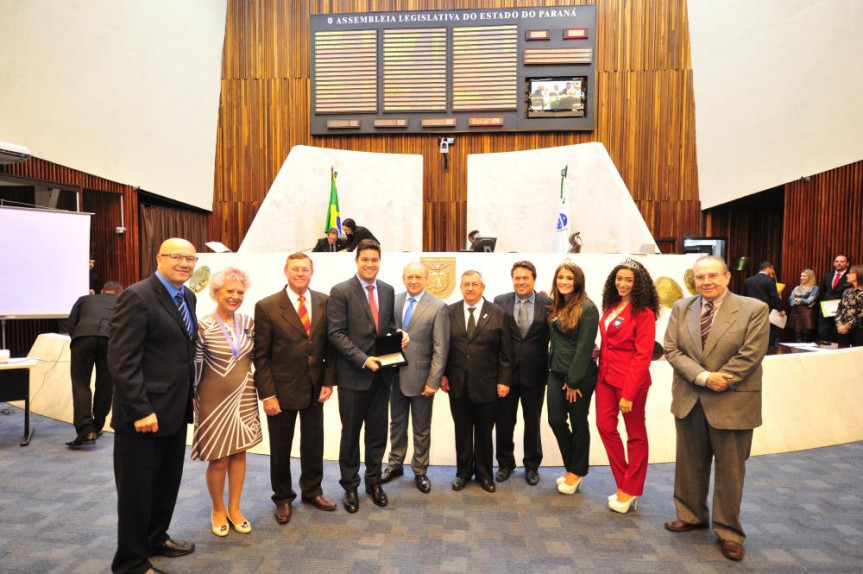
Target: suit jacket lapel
<point x="482" y="319"/>
<point x="289" y="314"/>
<point x="694" y="324"/>
<point x="398" y="309"/>
<point x="363" y="295"/>
<point x="169" y="304"/>
<point x="318" y="312"/>
<point x="420" y="308"/>
<point x="724" y="318"/>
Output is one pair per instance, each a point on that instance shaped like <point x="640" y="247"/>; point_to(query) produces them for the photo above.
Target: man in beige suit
<point x="715" y="343"/>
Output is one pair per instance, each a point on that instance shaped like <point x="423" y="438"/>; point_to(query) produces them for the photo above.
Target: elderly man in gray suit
<point x="715" y="343"/>
<point x="426" y="320"/>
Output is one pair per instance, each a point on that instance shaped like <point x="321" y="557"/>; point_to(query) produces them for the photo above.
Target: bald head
<point x="176" y="260"/>
<point x="415" y="277"/>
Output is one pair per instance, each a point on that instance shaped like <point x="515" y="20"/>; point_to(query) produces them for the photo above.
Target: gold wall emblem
<point x="668" y="290"/>
<point x="199" y="279"/>
<point x="442" y="280"/>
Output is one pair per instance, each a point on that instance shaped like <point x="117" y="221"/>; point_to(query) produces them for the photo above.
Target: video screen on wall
<point x="561" y="96"/>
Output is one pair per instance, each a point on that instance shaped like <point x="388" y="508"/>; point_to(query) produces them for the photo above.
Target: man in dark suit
<point x="715" y="343"/>
<point x="426" y="320"/>
<point x="329" y="244"/>
<point x="832" y="286"/>
<point x="355" y="233"/>
<point x="90" y="328"/>
<point x="151" y="359"/>
<point x="477" y="374"/>
<point x="294" y="373"/>
<point x="762" y="286"/>
<point x="526" y="311"/>
<point x="359" y="310"/>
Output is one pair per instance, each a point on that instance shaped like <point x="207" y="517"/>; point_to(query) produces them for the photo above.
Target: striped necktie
<point x="304" y="315"/>
<point x="706" y="321"/>
<point x="184" y="313"/>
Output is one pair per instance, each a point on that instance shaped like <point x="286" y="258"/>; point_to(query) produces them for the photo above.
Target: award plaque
<point x="389" y="350"/>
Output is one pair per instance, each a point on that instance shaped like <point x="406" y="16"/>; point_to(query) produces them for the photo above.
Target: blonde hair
<point x="218" y="280"/>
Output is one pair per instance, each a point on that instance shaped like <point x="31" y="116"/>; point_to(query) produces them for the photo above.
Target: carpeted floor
<point x="802" y="511"/>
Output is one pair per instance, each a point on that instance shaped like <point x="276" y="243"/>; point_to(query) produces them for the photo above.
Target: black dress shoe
<point x="173" y="547"/>
<point x="487" y="484"/>
<point x="378" y="495"/>
<point x="532" y="477"/>
<point x="459" y="483"/>
<point x="82" y="440"/>
<point x="423" y="483"/>
<point x="390" y="473"/>
<point x="350" y="501"/>
<point x="503" y="474"/>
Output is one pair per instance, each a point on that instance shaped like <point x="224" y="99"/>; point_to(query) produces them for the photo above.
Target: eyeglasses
<point x="711" y="276"/>
<point x="176" y="257"/>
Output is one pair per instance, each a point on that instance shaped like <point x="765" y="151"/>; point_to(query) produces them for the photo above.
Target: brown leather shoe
<point x="678" y="525"/>
<point x="321" y="503"/>
<point x="731" y="550"/>
<point x="283" y="512"/>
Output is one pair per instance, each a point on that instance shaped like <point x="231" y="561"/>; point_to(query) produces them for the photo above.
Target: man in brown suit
<point x="715" y="343"/>
<point x="294" y="374"/>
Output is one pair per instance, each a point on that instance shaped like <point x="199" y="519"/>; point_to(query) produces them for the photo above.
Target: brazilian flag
<point x="334" y="216"/>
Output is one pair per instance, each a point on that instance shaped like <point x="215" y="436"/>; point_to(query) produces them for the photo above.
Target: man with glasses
<point x="151" y="359"/>
<point x="715" y="343"/>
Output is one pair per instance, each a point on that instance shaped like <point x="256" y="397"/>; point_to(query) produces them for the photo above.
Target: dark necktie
<point x="522" y="317"/>
<point x="706" y="322"/>
<point x="471" y="322"/>
<point x="184" y="314"/>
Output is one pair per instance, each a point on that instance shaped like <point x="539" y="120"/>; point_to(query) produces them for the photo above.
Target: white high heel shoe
<point x="623" y="507"/>
<point x="560" y="480"/>
<point x="564" y="488"/>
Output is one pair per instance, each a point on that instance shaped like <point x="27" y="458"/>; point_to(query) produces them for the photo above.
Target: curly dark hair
<point x="644" y="295"/>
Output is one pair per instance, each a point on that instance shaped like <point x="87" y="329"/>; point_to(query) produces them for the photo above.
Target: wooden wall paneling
<point x="644" y="112"/>
<point x="823" y="217"/>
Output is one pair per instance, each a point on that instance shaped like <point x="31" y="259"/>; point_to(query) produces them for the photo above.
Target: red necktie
<point x="836" y="277"/>
<point x="304" y="316"/>
<point x="373" y="305"/>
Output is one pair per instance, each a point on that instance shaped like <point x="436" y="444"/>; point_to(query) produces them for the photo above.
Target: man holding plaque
<point x="360" y="310"/>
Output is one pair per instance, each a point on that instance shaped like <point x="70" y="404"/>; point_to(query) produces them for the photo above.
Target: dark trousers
<point x="89" y="412"/>
<point x="507" y="410"/>
<point x="852" y="339"/>
<point x="698" y="446"/>
<point x="568" y="421"/>
<point x="420" y="409"/>
<point x="358" y="408"/>
<point x="147" y="471"/>
<point x="827" y="328"/>
<point x="474" y="422"/>
<point x="281" y="429"/>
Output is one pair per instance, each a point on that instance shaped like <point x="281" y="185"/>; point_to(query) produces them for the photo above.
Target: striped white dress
<point x="226" y="409"/>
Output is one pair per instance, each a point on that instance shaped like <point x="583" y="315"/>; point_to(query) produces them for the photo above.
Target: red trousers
<point x="629" y="472"/>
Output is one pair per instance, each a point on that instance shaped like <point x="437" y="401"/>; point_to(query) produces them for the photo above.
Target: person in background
<point x="630" y="308"/>
<point x="832" y="286"/>
<point x="226" y="403"/>
<point x="90" y="329"/>
<point x="329" y="244"/>
<point x="849" y="316"/>
<point x="94" y="277"/>
<point x="762" y="286"/>
<point x="573" y="322"/>
<point x="356" y="233"/>
<point x="802" y="301"/>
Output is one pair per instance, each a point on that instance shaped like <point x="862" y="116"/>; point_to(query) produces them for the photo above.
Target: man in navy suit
<point x="526" y="311"/>
<point x="762" y="286"/>
<point x="151" y="359"/>
<point x="359" y="310"/>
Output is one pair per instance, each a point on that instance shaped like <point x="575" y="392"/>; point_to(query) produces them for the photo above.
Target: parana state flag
<point x="334" y="216"/>
<point x="561" y="223"/>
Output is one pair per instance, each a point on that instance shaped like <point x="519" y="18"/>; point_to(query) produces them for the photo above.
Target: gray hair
<point x="219" y="279"/>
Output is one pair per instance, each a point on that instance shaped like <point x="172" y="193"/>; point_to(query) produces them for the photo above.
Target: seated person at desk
<point x="355" y="233"/>
<point x="329" y="244"/>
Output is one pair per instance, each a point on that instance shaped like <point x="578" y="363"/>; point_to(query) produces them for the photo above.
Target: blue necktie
<point x="181" y="307"/>
<point x="409" y="312"/>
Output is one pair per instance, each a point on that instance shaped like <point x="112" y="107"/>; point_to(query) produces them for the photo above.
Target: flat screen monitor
<point x="706" y="246"/>
<point x="557" y="97"/>
<point x="484" y="244"/>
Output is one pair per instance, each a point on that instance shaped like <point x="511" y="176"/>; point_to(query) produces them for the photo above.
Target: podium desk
<point x="15" y="386"/>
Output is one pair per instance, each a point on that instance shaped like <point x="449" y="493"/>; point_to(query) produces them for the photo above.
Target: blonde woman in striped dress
<point x="226" y="402"/>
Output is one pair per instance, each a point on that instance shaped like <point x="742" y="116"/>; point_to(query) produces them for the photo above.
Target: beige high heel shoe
<point x="220" y="530"/>
<point x="243" y="528"/>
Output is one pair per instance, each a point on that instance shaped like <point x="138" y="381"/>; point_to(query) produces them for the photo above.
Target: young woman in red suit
<point x="630" y="308"/>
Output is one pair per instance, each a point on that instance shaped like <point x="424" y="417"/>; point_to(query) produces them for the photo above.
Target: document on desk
<point x="778" y="319"/>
